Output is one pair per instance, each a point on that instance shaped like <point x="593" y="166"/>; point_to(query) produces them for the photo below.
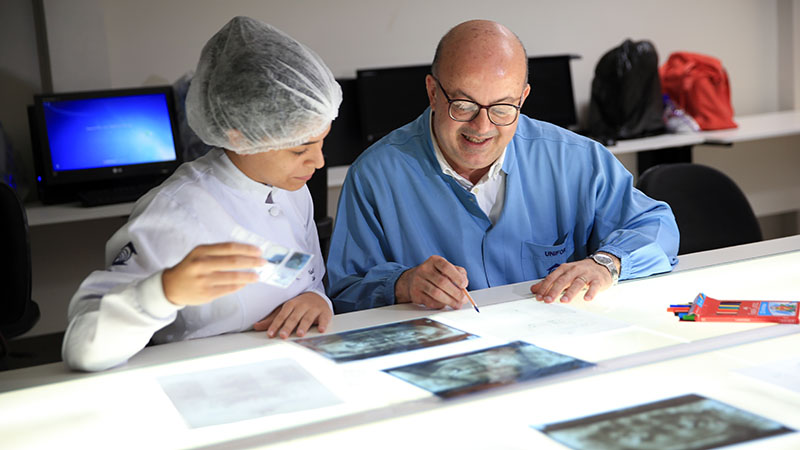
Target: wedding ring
<point x="583" y="279"/>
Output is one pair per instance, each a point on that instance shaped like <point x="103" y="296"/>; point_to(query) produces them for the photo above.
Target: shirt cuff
<point x="389" y="285"/>
<point x="152" y="298"/>
<point x="624" y="260"/>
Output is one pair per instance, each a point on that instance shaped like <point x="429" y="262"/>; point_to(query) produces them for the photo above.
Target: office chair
<point x="18" y="312"/>
<point x="711" y="210"/>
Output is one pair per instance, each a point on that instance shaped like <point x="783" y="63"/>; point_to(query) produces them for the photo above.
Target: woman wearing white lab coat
<point x="183" y="266"/>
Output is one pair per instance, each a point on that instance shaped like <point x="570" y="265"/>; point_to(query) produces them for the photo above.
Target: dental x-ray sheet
<point x="283" y="264"/>
<point x="384" y="340"/>
<point x="510" y="363"/>
<point x="686" y="422"/>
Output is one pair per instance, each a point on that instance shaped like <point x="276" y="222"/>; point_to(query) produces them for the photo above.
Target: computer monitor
<point x="95" y="140"/>
<point x="551" y="98"/>
<point x="344" y="142"/>
<point x="389" y="98"/>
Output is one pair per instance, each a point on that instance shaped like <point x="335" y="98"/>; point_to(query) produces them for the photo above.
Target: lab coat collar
<point x="236" y="179"/>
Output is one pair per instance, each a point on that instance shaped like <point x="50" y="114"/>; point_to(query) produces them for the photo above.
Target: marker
<point x="471" y="300"/>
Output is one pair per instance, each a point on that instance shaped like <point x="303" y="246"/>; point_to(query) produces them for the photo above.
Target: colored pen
<point x="474" y="305"/>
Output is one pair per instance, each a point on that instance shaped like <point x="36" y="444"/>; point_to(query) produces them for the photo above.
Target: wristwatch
<point x="606" y="261"/>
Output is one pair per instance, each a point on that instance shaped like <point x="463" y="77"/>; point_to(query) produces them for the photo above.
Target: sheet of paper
<point x="232" y="394"/>
<point x="784" y="373"/>
<point x="528" y="320"/>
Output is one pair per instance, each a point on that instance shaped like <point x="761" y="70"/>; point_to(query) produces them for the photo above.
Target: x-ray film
<point x="384" y="340"/>
<point x="483" y="369"/>
<point x="691" y="422"/>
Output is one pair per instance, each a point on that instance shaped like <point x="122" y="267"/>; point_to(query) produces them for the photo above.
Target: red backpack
<point x="699" y="85"/>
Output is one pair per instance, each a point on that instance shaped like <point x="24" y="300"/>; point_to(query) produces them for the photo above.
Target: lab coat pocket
<point x="539" y="260"/>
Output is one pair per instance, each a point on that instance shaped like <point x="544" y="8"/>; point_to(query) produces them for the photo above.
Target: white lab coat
<point x="117" y="311"/>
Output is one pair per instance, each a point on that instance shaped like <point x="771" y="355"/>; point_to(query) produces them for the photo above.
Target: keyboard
<point x="117" y="194"/>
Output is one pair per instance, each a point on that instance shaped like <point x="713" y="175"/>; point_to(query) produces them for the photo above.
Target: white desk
<point x="48" y="405"/>
<point x="39" y="214"/>
<point x="504" y="420"/>
<point x="750" y="128"/>
<point x="659" y="142"/>
<point x="755" y="127"/>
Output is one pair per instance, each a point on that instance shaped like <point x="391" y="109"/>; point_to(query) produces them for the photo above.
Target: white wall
<point x="155" y="41"/>
<point x="794" y="54"/>
<point x="78" y="45"/>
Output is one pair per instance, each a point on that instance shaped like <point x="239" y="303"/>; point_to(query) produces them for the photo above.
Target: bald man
<point x="472" y="195"/>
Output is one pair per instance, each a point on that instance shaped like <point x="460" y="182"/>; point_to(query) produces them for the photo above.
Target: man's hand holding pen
<point x="436" y="283"/>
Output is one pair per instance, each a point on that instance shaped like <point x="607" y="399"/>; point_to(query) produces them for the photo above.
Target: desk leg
<point x="648" y="159"/>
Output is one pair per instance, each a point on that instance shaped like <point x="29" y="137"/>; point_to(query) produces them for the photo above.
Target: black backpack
<point x="626" y="100"/>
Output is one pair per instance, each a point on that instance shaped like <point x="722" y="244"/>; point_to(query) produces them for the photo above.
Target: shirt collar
<point x="447" y="169"/>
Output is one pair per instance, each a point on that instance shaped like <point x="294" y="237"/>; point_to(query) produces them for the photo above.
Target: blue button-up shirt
<point x="566" y="197"/>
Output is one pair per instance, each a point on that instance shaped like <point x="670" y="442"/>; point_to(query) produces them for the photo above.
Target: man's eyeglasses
<point x="500" y="114"/>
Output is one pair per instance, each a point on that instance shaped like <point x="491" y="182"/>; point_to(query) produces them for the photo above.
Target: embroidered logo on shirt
<point x="554" y="252"/>
<point x="124" y="255"/>
<point x="552" y="268"/>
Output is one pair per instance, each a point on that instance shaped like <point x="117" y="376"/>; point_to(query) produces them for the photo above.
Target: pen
<point x="471" y="300"/>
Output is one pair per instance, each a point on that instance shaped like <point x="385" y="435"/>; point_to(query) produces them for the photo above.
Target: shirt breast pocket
<point x="539" y="260"/>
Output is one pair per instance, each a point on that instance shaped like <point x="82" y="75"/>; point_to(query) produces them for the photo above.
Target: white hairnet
<point x="255" y="80"/>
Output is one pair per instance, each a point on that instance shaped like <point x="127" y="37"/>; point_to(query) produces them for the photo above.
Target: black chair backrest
<point x="711" y="211"/>
<point x="15" y="254"/>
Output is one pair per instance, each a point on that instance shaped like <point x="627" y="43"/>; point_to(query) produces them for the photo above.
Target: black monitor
<point x="551" y="98"/>
<point x="96" y="140"/>
<point x="344" y="142"/>
<point x="389" y="98"/>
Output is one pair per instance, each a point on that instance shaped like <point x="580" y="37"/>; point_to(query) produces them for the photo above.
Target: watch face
<point x="606" y="261"/>
<point x="602" y="259"/>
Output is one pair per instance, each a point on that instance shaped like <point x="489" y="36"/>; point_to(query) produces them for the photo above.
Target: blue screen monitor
<point x="86" y="140"/>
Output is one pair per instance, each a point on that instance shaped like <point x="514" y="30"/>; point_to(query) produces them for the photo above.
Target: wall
<point x="151" y="41"/>
<point x="95" y="44"/>
<point x="19" y="78"/>
<point x="78" y="45"/>
<point x="788" y="28"/>
<point x="794" y="54"/>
